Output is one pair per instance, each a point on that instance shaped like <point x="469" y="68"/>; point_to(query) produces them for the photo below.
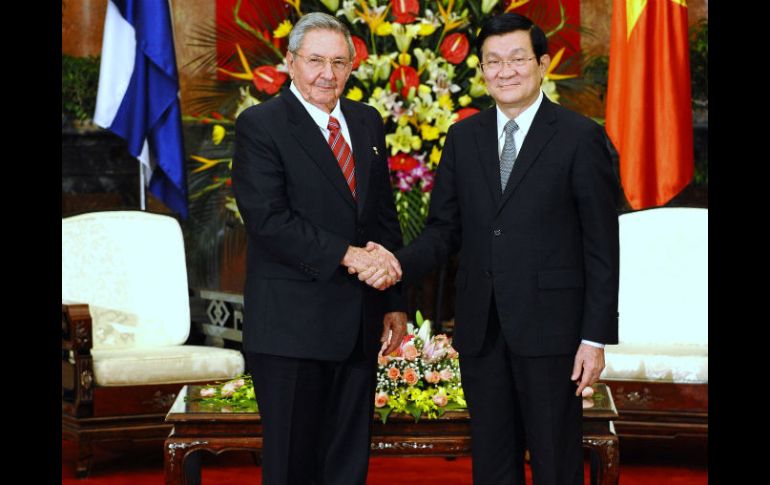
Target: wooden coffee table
<point x="217" y="429"/>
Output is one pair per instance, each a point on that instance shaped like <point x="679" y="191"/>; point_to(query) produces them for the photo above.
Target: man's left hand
<point x="589" y="364"/>
<point x="393" y="331"/>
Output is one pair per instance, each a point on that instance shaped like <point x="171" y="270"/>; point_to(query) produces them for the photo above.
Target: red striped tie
<point x="343" y="153"/>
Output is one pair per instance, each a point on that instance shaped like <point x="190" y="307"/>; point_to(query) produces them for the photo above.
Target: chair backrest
<point x="664" y="276"/>
<point x="129" y="266"/>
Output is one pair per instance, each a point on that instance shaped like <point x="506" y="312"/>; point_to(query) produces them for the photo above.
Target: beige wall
<point x="83" y="21"/>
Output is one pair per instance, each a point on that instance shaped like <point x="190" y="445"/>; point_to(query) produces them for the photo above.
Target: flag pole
<point x="142" y="201"/>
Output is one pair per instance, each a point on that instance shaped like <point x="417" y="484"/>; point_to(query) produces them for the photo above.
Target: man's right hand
<point x="374" y="264"/>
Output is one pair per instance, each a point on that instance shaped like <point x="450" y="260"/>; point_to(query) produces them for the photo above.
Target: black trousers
<point x="316" y="418"/>
<point x="518" y="403"/>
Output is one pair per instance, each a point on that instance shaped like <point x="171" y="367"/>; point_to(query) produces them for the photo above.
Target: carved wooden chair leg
<point x="84" y="457"/>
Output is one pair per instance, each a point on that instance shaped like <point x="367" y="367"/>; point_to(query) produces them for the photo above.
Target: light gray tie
<point x="508" y="156"/>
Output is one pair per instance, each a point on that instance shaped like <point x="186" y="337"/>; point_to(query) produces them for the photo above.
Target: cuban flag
<point x="138" y="96"/>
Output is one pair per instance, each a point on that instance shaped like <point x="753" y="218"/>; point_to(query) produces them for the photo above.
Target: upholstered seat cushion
<point x="663" y="298"/>
<point x="165" y="365"/>
<point x="657" y="362"/>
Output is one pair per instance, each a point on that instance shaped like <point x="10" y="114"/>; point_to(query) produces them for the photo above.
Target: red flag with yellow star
<point x="649" y="114"/>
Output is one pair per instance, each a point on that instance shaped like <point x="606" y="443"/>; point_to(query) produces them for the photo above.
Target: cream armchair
<point x="125" y="319"/>
<point x="659" y="372"/>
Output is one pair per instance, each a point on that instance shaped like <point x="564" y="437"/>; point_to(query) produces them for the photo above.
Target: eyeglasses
<point x="316" y="63"/>
<point x="492" y="67"/>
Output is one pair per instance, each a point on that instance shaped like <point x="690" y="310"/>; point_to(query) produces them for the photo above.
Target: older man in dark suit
<point x="526" y="192"/>
<point x="311" y="180"/>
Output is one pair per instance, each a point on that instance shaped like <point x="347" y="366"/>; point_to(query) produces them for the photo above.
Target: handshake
<point x="374" y="265"/>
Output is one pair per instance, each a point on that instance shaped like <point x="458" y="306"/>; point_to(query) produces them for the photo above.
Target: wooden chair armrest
<point x="76" y="332"/>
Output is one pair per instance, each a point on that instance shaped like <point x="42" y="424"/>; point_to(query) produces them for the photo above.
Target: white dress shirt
<point x="321" y="117"/>
<point x="524" y="120"/>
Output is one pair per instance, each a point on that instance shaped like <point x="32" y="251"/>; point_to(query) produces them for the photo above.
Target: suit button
<point x="488" y="273"/>
<point x="497" y="232"/>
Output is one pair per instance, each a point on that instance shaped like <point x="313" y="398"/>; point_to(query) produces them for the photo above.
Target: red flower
<point x="455" y="48"/>
<point x="361" y="52"/>
<point x="268" y="79"/>
<point x="405" y="11"/>
<point x="403" y="78"/>
<point x="466" y="112"/>
<point x="216" y="115"/>
<point x="402" y="161"/>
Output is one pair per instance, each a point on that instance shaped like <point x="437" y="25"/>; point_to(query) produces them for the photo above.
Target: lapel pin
<point x="375" y="151"/>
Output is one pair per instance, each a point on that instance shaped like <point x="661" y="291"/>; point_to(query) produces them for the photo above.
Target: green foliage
<point x="79" y="83"/>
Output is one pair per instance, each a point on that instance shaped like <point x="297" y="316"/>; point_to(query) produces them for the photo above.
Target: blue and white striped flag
<point x="138" y="96"/>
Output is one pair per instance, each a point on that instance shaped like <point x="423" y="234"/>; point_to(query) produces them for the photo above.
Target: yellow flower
<point x="384" y="29"/>
<point x="403" y="120"/>
<point x="435" y="155"/>
<point x="465" y="100"/>
<point x="472" y="61"/>
<point x="218" y="134"/>
<point x="355" y="94"/>
<point x="445" y="101"/>
<point x="426" y="29"/>
<point x="429" y="132"/>
<point x="282" y="30"/>
<point x="404" y="59"/>
<point x="478" y="88"/>
<point x="423" y="89"/>
<point x="402" y="140"/>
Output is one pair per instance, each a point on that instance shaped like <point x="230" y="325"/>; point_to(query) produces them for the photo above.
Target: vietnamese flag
<point x="649" y="113"/>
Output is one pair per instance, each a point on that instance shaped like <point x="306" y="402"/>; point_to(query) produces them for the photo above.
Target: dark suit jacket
<point x="300" y="218"/>
<point x="547" y="247"/>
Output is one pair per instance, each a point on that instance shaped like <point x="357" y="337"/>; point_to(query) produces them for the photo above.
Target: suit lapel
<point x="486" y="140"/>
<point x="361" y="149"/>
<point x="538" y="136"/>
<point x="310" y="138"/>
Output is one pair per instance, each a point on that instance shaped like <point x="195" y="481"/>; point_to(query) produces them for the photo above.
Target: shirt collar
<point x="320" y="116"/>
<point x="524" y="120"/>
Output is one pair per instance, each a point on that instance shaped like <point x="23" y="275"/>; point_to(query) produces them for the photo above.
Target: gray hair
<point x="321" y="21"/>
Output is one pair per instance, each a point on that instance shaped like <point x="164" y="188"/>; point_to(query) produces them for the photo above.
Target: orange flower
<point x="393" y="373"/>
<point x="410" y="376"/>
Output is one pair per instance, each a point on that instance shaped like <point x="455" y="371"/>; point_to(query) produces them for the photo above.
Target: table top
<point x="600" y="407"/>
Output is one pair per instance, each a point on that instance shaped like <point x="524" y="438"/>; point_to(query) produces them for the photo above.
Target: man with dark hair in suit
<point x="526" y="192"/>
<point x="311" y="180"/>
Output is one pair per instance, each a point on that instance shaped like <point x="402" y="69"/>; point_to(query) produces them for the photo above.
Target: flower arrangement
<point x="413" y="63"/>
<point x="421" y="378"/>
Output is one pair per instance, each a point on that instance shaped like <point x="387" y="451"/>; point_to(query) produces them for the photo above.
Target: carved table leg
<point x="175" y="452"/>
<point x="605" y="449"/>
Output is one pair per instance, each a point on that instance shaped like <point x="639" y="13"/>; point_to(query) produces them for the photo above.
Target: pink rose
<point x="393" y="373"/>
<point x="231" y="386"/>
<point x="432" y="377"/>
<point x="446" y="375"/>
<point x="208" y="392"/>
<point x="452" y="353"/>
<point x="381" y="399"/>
<point x="440" y="399"/>
<point x="410" y="352"/>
